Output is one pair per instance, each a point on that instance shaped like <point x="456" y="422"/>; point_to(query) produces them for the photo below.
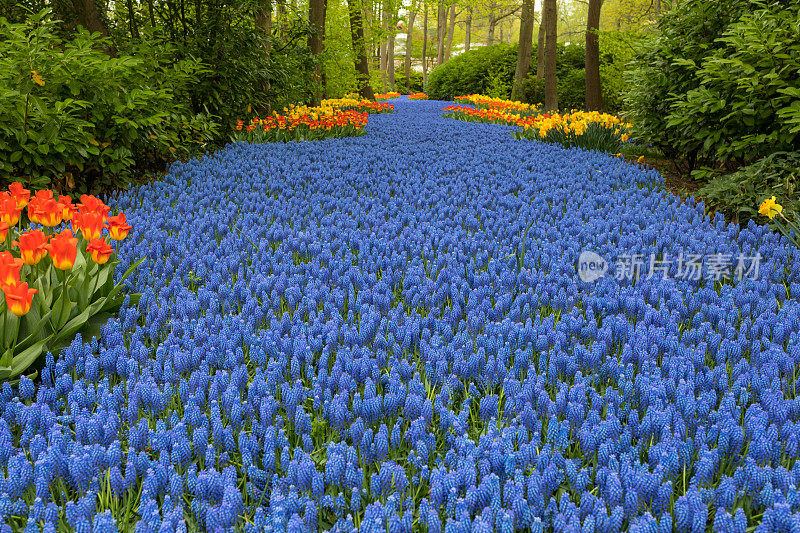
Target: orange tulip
<point x="63" y="249"/>
<point x="118" y="227"/>
<point x="32" y="246"/>
<point x="19" y="298"/>
<point x="9" y="269"/>
<point x="100" y="251"/>
<point x="92" y="204"/>
<point x="69" y="208"/>
<point x="89" y="223"/>
<point x="9" y="212"/>
<point x="48" y="212"/>
<point x="20" y="194"/>
<point x="44" y="195"/>
<point x="3" y="230"/>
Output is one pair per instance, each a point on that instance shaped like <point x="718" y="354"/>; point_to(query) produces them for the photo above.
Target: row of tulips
<point x="387" y="96"/>
<point x="417" y="96"/>
<point x="46" y="301"/>
<point x="488" y="102"/>
<point x="359" y="105"/>
<point x="321" y="123"/>
<point x="486" y="115"/>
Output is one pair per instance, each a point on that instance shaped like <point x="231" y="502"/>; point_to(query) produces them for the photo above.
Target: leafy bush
<point x="72" y="116"/>
<point x="474" y="72"/>
<point x="666" y="70"/>
<point x="748" y="102"/>
<point x="414" y="84"/>
<point x="738" y="194"/>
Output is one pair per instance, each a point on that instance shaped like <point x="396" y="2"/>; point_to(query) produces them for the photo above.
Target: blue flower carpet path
<point x="393" y="333"/>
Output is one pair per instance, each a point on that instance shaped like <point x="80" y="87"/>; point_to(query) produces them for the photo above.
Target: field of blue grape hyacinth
<point x="352" y="335"/>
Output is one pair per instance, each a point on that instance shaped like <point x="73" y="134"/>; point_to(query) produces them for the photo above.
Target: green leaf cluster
<point x="718" y="83"/>
<point x="71" y="114"/>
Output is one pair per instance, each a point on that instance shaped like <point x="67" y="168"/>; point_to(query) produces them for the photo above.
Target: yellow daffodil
<point x="770" y="208"/>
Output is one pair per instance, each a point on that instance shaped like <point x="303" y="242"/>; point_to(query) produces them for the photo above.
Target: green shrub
<point x="747" y="105"/>
<point x="474" y="72"/>
<point x="739" y="194"/>
<point x="665" y="70"/>
<point x="73" y="117"/>
<point x="414" y="84"/>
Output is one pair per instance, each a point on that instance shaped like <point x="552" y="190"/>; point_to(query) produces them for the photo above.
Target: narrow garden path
<point x="354" y="334"/>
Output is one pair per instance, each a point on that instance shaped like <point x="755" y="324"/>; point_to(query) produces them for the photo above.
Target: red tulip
<point x="9" y="269"/>
<point x="100" y="251"/>
<point x="63" y="250"/>
<point x="118" y="227"/>
<point x="19" y="298"/>
<point x="20" y="194"/>
<point x="89" y="223"/>
<point x="32" y="246"/>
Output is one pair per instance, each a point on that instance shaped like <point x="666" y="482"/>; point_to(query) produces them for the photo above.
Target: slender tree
<point x="316" y="42"/>
<point x="551" y="36"/>
<point x="359" y="49"/>
<point x="451" y="27"/>
<point x="392" y="25"/>
<point x="409" y="37"/>
<point x="425" y="46"/>
<point x="441" y="30"/>
<point x="468" y="29"/>
<point x="263" y="19"/>
<point x="592" y="58"/>
<point x="540" y="47"/>
<point x="525" y="48"/>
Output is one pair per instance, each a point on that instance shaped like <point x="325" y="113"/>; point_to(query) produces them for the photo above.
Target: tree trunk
<point x="132" y="21"/>
<point x="551" y="37"/>
<point x="409" y="36"/>
<point x="525" y="48"/>
<point x="490" y="36"/>
<point x="88" y="16"/>
<point x="501" y="24"/>
<point x="359" y="49"/>
<point x="384" y="47"/>
<point x="441" y="29"/>
<point x="316" y="42"/>
<point x="468" y="29"/>
<point x="390" y="56"/>
<point x="592" y="61"/>
<point x="450" y="31"/>
<point x="151" y="12"/>
<point x="540" y="48"/>
<point x="425" y="48"/>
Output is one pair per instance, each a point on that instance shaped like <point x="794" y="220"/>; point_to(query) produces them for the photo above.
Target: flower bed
<point x="52" y="290"/>
<point x="487" y="115"/>
<point x="303" y="124"/>
<point x="392" y="333"/>
<point x="488" y="102"/>
<point x="590" y="130"/>
<point x="417" y="96"/>
<point x="359" y="105"/>
<point x="387" y="96"/>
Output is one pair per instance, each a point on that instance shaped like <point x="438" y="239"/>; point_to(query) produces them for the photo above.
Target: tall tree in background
<point x="425" y="46"/>
<point x="540" y="46"/>
<point x="451" y="29"/>
<point x="392" y="25"/>
<point x="409" y="37"/>
<point x="316" y="42"/>
<point x="525" y="48"/>
<point x="551" y="37"/>
<point x="441" y="30"/>
<point x="468" y="29"/>
<point x="359" y="49"/>
<point x="593" y="93"/>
